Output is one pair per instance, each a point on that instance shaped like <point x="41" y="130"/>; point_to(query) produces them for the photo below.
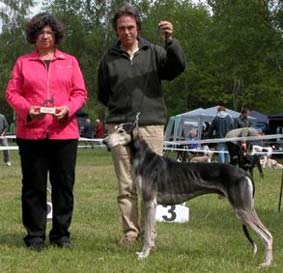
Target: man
<point x="129" y="82"/>
<point x="220" y="125"/>
<point x="242" y="120"/>
<point x="3" y="140"/>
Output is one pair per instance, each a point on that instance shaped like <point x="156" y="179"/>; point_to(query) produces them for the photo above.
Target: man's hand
<point x="167" y="29"/>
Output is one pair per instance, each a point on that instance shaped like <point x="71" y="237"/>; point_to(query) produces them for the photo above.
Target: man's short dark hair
<point x="41" y="20"/>
<point x="127" y="10"/>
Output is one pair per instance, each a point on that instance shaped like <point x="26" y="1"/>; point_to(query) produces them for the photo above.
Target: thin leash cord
<point x="136" y="123"/>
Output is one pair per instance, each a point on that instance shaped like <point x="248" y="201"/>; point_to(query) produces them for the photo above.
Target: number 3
<point x="171" y="210"/>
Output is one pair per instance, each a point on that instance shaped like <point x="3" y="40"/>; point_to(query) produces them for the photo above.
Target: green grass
<point x="212" y="241"/>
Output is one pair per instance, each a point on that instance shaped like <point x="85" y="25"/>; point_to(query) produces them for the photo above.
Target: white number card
<point x="173" y="213"/>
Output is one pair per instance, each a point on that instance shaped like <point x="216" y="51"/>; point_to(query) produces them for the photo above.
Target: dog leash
<point x="136" y="123"/>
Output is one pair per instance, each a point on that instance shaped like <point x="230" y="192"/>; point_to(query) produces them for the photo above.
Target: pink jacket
<point x="31" y="84"/>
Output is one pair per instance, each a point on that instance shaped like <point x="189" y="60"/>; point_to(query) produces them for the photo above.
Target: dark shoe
<point x="63" y="242"/>
<point x="127" y="241"/>
<point x="36" y="246"/>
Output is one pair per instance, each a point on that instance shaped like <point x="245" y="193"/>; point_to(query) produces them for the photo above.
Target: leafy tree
<point x="13" y="15"/>
<point x="244" y="42"/>
<point x="233" y="48"/>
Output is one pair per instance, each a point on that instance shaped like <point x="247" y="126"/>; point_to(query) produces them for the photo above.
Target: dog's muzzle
<point x="111" y="142"/>
<point x="116" y="139"/>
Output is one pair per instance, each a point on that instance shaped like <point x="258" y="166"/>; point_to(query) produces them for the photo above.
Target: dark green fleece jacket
<point x="127" y="86"/>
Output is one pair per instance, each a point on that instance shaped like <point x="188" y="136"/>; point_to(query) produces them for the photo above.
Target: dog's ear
<point x="128" y="127"/>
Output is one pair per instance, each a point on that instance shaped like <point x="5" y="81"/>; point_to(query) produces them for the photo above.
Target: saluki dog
<point x="164" y="181"/>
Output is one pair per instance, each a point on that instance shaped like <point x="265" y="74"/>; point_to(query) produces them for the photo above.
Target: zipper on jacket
<point x="48" y="99"/>
<point x="135" y="54"/>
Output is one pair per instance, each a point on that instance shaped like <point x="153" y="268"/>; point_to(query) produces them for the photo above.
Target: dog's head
<point x="122" y="135"/>
<point x="246" y="162"/>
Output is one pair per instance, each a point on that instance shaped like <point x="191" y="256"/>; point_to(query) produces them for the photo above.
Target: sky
<point x="36" y="9"/>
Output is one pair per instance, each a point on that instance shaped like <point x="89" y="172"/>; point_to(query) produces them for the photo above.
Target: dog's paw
<point x="143" y="254"/>
<point x="265" y="264"/>
<point x="140" y="255"/>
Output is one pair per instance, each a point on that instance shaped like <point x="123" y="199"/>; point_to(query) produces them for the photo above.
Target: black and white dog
<point x="164" y="181"/>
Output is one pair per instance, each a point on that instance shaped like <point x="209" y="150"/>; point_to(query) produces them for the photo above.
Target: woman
<point x="46" y="89"/>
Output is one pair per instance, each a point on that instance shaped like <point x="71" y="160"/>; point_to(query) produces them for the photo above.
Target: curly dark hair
<point x="41" y="20"/>
<point x="127" y="10"/>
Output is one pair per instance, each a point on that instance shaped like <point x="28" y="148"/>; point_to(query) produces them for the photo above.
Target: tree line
<point x="233" y="48"/>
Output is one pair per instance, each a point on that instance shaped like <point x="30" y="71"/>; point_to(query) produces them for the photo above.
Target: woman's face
<point x="45" y="39"/>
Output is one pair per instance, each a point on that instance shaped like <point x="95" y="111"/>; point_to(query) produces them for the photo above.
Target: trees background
<point x="233" y="48"/>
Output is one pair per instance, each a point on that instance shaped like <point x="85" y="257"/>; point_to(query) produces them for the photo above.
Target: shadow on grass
<point x="11" y="240"/>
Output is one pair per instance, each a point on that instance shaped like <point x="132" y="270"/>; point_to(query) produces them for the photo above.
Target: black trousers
<point x="38" y="159"/>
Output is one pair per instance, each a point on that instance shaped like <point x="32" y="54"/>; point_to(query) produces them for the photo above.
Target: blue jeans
<point x="223" y="155"/>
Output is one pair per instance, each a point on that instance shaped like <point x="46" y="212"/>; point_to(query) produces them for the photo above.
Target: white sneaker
<point x="8" y="163"/>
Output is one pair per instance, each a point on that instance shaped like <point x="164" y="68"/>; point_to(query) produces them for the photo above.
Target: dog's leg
<point x="257" y="163"/>
<point x="250" y="218"/>
<point x="149" y="236"/>
<point x="242" y="202"/>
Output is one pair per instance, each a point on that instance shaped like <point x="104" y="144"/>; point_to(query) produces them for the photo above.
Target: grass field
<point x="212" y="241"/>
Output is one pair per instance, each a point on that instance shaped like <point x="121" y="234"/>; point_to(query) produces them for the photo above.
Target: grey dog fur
<point x="164" y="181"/>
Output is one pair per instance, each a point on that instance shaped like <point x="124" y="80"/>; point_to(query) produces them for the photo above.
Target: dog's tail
<point x="246" y="232"/>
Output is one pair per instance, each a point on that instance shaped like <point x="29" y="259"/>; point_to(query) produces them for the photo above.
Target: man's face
<point x="127" y="30"/>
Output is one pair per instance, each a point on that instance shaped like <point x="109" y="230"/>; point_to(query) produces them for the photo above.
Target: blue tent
<point x="262" y="120"/>
<point x="259" y="116"/>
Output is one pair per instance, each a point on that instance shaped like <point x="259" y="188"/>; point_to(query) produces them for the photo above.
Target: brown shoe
<point x="127" y="241"/>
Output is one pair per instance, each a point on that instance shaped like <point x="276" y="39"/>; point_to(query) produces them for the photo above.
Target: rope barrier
<point x="98" y="142"/>
<point x="177" y="145"/>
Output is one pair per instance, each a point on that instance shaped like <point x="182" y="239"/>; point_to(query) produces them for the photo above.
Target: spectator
<point x="236" y="148"/>
<point x="88" y="131"/>
<point x="192" y="135"/>
<point x="46" y="89"/>
<point x="129" y="81"/>
<point x="242" y="121"/>
<point x="205" y="130"/>
<point x="220" y="125"/>
<point x="99" y="129"/>
<point x="3" y="140"/>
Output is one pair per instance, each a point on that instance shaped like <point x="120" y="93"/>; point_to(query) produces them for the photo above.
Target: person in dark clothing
<point x="129" y="82"/>
<point x="88" y="131"/>
<point x="220" y="125"/>
<point x="238" y="150"/>
<point x="3" y="140"/>
<point x="242" y="121"/>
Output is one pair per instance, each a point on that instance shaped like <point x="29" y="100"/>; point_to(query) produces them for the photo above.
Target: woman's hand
<point x="34" y="113"/>
<point x="61" y="113"/>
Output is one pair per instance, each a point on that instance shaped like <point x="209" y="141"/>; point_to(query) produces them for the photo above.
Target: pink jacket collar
<point x="58" y="55"/>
